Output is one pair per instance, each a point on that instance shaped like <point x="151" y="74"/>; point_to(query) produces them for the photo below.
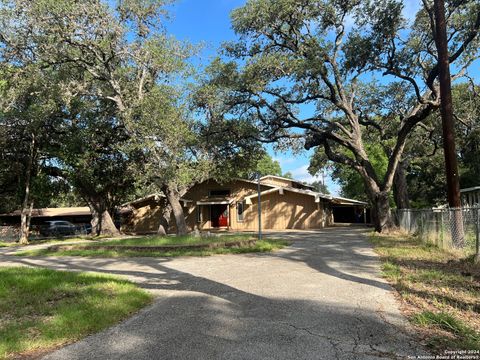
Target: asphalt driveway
<point x="320" y="298"/>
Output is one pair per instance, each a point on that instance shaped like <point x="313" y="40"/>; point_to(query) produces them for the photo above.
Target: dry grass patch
<point x="440" y="290"/>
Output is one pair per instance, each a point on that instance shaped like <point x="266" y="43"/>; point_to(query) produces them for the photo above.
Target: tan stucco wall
<point x="288" y="211"/>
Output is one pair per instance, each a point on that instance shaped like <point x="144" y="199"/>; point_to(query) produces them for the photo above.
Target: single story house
<point x="233" y="205"/>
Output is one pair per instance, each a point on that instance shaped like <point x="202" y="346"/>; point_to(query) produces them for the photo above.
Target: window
<point x="239" y="211"/>
<point x="199" y="214"/>
<point x="219" y="193"/>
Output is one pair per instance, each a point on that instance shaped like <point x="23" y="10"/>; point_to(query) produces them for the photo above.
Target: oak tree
<point x="305" y="69"/>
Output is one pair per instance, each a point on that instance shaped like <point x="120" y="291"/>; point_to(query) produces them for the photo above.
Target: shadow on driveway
<point x="320" y="298"/>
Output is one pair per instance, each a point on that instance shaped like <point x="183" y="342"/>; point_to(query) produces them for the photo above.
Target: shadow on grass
<point x="436" y="282"/>
<point x="213" y="319"/>
<point x="42" y="308"/>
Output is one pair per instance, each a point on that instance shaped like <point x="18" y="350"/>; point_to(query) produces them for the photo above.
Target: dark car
<point x="58" y="228"/>
<point x="84" y="229"/>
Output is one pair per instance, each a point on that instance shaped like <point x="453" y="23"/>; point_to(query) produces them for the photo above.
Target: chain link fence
<point x="447" y="228"/>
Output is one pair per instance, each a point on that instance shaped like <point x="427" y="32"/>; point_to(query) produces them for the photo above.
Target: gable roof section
<point x="284" y="178"/>
<point x="316" y="195"/>
<point x="273" y="188"/>
<point x="151" y="197"/>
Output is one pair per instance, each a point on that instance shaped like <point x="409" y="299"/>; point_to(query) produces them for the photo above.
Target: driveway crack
<point x="333" y="342"/>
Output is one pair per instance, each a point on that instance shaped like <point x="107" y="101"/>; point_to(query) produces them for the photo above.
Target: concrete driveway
<point x="321" y="298"/>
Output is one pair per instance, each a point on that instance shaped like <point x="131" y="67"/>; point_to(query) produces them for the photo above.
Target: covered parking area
<point x="349" y="211"/>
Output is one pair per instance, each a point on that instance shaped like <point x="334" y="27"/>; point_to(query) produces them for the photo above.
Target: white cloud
<point x="284" y="161"/>
<point x="301" y="174"/>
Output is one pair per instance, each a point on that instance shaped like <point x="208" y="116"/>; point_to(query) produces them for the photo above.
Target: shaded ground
<point x="42" y="309"/>
<point x="321" y="298"/>
<point x="440" y="289"/>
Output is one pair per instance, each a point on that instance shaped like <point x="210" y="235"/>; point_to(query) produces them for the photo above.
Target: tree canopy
<point x="361" y="66"/>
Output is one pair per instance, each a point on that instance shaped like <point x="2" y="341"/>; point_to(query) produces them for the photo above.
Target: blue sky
<point x="208" y="22"/>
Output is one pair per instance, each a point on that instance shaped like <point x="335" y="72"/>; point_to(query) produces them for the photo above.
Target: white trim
<point x="220" y="202"/>
<point x="470" y="189"/>
<point x="249" y="198"/>
<point x="346" y="201"/>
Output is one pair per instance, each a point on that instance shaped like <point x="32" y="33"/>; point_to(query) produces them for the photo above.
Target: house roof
<point x="316" y="195"/>
<point x="287" y="179"/>
<point x="154" y="197"/>
<point x="273" y="188"/>
<point x="214" y="201"/>
<point x="51" y="212"/>
<point x="346" y="201"/>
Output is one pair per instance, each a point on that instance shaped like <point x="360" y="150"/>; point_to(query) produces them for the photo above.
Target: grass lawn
<point x="260" y="246"/>
<point x="440" y="290"/>
<point x="42" y="309"/>
<point x="176" y="240"/>
<point x="49" y="241"/>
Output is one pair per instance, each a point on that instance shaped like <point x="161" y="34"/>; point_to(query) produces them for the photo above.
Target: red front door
<point x="219" y="215"/>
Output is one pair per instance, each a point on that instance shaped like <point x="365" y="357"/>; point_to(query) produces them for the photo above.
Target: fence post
<point x="409" y="221"/>
<point x="442" y="230"/>
<point x="438" y="229"/>
<point x="477" y="237"/>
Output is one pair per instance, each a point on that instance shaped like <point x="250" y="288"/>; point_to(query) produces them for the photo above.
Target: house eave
<point x="218" y="202"/>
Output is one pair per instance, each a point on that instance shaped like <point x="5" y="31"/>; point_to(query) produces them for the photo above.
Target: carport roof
<point x="51" y="212"/>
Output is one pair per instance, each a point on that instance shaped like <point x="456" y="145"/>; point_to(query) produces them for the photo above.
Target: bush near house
<point x="439" y="289"/>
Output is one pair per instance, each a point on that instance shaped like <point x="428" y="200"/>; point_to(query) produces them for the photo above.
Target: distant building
<point x="471" y="196"/>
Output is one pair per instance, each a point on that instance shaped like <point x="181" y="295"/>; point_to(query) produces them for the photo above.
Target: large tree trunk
<point x="26" y="209"/>
<point x="25" y="218"/>
<point x="400" y="189"/>
<point x="164" y="219"/>
<point x="102" y="223"/>
<point x="448" y="123"/>
<point x="173" y="198"/>
<point x="381" y="213"/>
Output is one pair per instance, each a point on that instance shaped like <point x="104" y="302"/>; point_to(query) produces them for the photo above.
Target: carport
<point x="348" y="211"/>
